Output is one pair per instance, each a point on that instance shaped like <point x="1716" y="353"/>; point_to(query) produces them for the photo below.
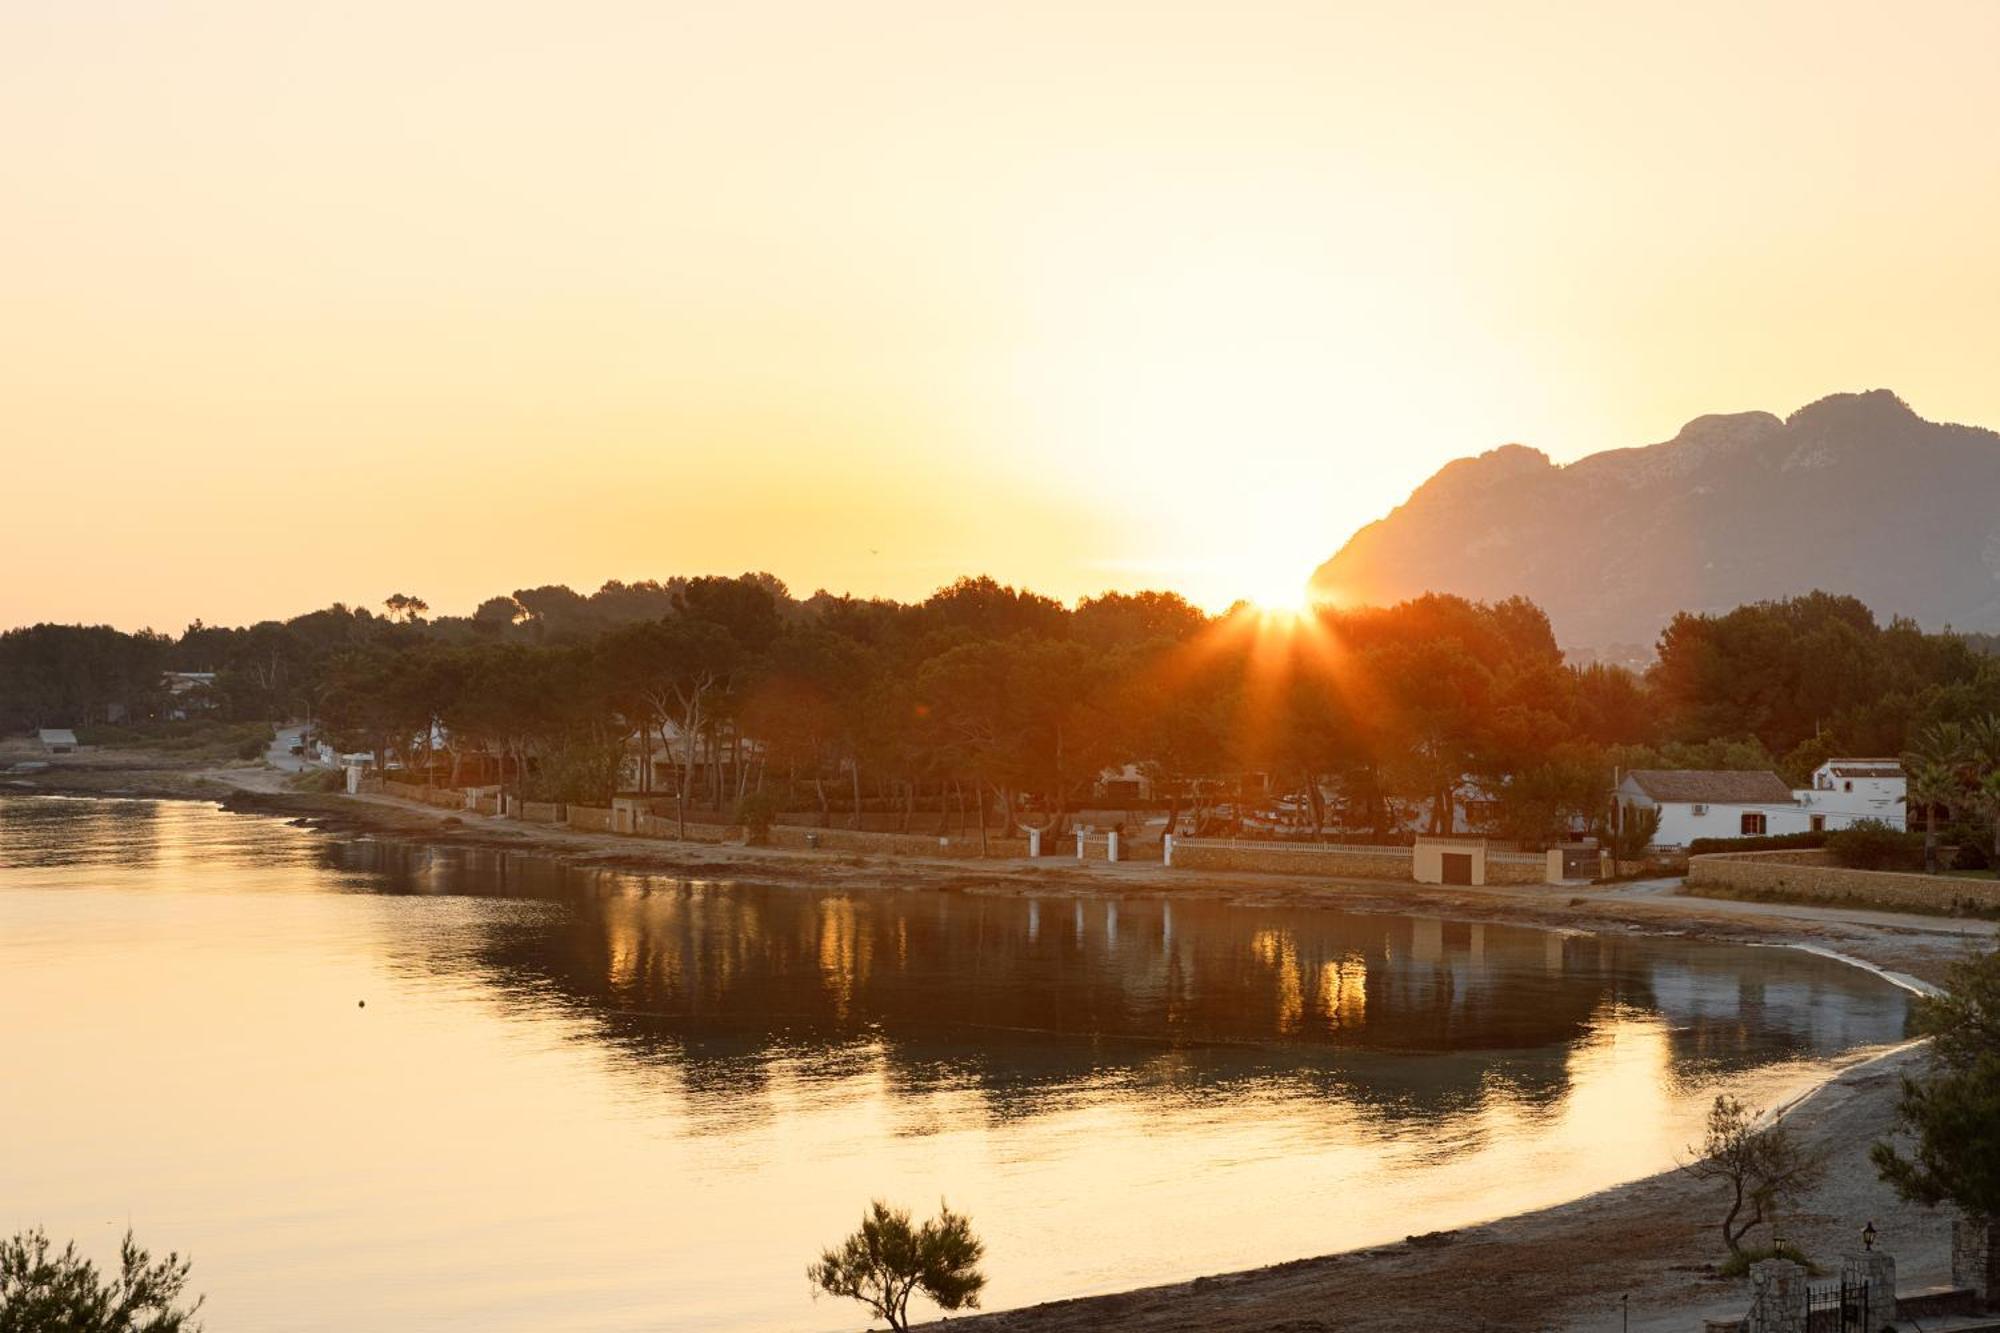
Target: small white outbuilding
<point x="1846" y="791"/>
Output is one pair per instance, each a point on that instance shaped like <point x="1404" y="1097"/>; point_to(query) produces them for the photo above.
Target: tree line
<point x="987" y="698"/>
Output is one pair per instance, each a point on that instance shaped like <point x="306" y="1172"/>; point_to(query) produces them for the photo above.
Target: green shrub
<point x="1738" y="1265"/>
<point x="1873" y="845"/>
<point x="1971" y="844"/>
<point x="1775" y="842"/>
<point x="755" y="813"/>
<point x="580" y="773"/>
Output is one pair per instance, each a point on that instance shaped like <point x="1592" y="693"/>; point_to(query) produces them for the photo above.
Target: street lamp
<point x="1868" y="1236"/>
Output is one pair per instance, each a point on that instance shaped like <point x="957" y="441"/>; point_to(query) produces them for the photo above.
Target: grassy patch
<point x="192" y="740"/>
<point x="319" y="780"/>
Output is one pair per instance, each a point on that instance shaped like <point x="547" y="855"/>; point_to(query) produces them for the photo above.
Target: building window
<point x="1847" y="786"/>
<point x="1819" y="823"/>
<point x="1753" y="824"/>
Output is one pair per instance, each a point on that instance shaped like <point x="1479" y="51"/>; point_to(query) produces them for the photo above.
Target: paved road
<point x="280" y="755"/>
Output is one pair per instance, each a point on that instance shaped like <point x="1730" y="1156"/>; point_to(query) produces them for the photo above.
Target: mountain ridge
<point x="1736" y="507"/>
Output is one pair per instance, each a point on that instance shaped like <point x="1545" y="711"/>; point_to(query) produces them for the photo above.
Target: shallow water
<point x="601" y="1101"/>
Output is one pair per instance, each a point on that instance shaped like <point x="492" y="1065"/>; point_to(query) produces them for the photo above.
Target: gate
<point x="1579" y="862"/>
<point x="1838" y="1307"/>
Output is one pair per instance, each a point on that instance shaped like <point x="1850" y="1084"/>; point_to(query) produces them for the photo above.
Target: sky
<point x="314" y="303"/>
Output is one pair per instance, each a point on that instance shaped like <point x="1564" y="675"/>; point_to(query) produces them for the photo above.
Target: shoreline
<point x="1903" y="947"/>
<point x="1644" y="1238"/>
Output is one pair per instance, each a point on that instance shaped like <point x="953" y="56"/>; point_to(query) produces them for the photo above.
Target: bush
<point x="1873" y="845"/>
<point x="1738" y="1265"/>
<point x="201" y="739"/>
<point x="580" y="773"/>
<point x="1971" y="844"/>
<point x="756" y="813"/>
<point x="1775" y="842"/>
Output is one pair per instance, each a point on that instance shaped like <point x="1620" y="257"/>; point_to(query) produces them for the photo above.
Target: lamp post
<point x="1868" y="1236"/>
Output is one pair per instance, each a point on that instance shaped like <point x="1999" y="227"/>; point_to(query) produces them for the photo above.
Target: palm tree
<point x="1937" y="771"/>
<point x="1984" y="798"/>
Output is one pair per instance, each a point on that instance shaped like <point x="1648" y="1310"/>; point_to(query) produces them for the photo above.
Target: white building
<point x="1698" y="803"/>
<point x="57" y="740"/>
<point x="1846" y="791"/>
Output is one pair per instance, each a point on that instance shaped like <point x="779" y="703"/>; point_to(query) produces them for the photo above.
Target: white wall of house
<point x="1844" y="798"/>
<point x="1681" y="822"/>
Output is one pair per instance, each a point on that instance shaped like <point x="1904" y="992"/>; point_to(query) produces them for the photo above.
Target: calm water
<point x="598" y="1101"/>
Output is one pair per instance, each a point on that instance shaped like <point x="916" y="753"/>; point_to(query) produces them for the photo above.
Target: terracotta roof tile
<point x="1711" y="786"/>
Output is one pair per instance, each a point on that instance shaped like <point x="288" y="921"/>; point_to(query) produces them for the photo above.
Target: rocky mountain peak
<point x="1854" y="493"/>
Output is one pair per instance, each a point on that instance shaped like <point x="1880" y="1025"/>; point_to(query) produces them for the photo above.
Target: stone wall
<point x="1519" y="868"/>
<point x="1292" y="858"/>
<point x="590" y="818"/>
<point x="1819" y="881"/>
<point x="1975" y="1259"/>
<point x="444" y="798"/>
<point x="666" y="826"/>
<point x="1778" y="1297"/>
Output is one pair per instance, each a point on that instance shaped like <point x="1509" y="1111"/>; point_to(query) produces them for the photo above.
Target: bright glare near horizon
<point x="309" y="303"/>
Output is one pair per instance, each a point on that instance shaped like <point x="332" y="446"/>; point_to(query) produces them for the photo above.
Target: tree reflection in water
<point x="1027" y="1001"/>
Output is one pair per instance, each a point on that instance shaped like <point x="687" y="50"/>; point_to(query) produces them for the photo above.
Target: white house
<point x="1698" y="803"/>
<point x="1846" y="791"/>
<point x="57" y="740"/>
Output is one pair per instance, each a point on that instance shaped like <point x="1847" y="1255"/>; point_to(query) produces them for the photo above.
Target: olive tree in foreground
<point x="42" y="1291"/>
<point x="887" y="1261"/>
<point x="1763" y="1168"/>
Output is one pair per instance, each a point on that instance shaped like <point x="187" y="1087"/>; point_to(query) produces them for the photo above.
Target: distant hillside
<point x="1853" y="494"/>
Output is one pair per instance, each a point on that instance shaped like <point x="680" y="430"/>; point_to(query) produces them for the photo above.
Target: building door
<point x="1458" y="867"/>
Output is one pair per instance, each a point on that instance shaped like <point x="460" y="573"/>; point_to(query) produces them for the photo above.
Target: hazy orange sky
<point x="317" y="302"/>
